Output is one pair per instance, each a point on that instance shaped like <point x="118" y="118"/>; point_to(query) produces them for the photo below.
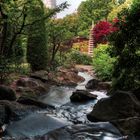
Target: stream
<point x="64" y="121"/>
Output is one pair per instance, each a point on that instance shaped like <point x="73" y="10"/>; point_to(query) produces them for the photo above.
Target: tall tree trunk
<point x="4" y="31"/>
<point x="54" y="51"/>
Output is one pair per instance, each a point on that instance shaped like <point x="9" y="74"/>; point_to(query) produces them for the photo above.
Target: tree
<point x="126" y="44"/>
<point x="118" y="8"/>
<point x="13" y="18"/>
<point x="101" y="31"/>
<point x="14" y="21"/>
<point x="14" y="26"/>
<point x="37" y="39"/>
<point x="71" y="22"/>
<point x="59" y="37"/>
<point x="92" y="10"/>
<point x="13" y="15"/>
<point x="37" y="43"/>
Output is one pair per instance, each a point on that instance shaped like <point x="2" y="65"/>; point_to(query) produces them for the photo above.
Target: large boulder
<point x="104" y="86"/>
<point x="128" y="126"/>
<point x="120" y="105"/>
<point x="136" y="92"/>
<point x="96" y="84"/>
<point x="31" y="101"/>
<point x="3" y="115"/>
<point x="4" y="119"/>
<point x="30" y="86"/>
<point x="62" y="76"/>
<point x="99" y="131"/>
<point x="7" y="93"/>
<point x="25" y="91"/>
<point x="40" y="75"/>
<point x="122" y="109"/>
<point x="15" y="111"/>
<point x="92" y="84"/>
<point x="68" y="77"/>
<point x="27" y="82"/>
<point x="82" y="96"/>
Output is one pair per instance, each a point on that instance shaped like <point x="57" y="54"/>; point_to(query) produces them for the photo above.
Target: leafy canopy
<point x="92" y="10"/>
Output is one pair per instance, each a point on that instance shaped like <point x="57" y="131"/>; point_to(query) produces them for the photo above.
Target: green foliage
<point x="126" y="44"/>
<point x="121" y="1"/>
<point x="23" y="69"/>
<point x="71" y="23"/>
<point x="18" y="51"/>
<point x="37" y="43"/>
<point x="79" y="58"/>
<point x="118" y="8"/>
<point x="92" y="10"/>
<point x="13" y="17"/>
<point x="17" y="19"/>
<point x="59" y="38"/>
<point x="103" y="63"/>
<point x="4" y="69"/>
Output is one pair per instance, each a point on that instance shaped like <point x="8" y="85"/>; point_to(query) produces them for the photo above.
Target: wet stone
<point x="97" y="131"/>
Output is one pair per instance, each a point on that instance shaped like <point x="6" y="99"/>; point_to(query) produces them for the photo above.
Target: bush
<point x="79" y="58"/>
<point x="103" y="63"/>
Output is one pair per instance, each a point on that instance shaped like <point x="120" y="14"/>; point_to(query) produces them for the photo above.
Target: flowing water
<point x="57" y="96"/>
<point x="66" y="121"/>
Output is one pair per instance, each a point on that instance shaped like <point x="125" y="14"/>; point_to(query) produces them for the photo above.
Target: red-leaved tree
<point x="101" y="31"/>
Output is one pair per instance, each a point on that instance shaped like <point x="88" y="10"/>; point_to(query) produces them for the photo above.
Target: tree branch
<point x="17" y="33"/>
<point x="50" y="14"/>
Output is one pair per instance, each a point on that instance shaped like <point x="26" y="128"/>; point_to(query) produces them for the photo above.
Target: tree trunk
<point x="4" y="31"/>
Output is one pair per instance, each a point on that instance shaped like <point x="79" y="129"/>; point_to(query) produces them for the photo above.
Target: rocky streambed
<point x="63" y="116"/>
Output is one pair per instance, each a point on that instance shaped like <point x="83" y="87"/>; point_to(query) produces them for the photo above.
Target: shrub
<point x="103" y="63"/>
<point x="79" y="58"/>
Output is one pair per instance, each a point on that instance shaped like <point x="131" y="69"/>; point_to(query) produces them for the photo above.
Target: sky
<point x="72" y="8"/>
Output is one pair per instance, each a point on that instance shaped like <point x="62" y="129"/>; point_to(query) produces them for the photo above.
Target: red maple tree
<point x="101" y="31"/>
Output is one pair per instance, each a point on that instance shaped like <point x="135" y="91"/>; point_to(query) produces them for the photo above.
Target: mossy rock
<point x="7" y="93"/>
